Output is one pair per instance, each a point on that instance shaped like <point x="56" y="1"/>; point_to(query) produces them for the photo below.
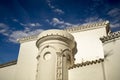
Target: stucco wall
<point x="27" y="62"/>
<point x="89" y="45"/>
<point x="112" y="59"/>
<point x="91" y="72"/>
<point x="8" y="73"/>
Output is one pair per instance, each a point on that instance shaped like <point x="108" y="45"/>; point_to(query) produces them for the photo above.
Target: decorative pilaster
<point x="56" y="55"/>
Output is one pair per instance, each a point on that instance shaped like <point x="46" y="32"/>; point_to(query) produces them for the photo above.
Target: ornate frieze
<point x="111" y="36"/>
<point x="59" y="68"/>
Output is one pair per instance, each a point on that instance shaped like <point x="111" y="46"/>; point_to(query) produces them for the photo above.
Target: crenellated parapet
<point x="89" y="27"/>
<point x="111" y="36"/>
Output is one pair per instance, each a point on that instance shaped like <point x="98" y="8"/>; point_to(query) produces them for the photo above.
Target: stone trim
<point x="86" y="63"/>
<point x="53" y="37"/>
<point x="29" y="38"/>
<point x="111" y="36"/>
<point x="89" y="27"/>
<point x="8" y="64"/>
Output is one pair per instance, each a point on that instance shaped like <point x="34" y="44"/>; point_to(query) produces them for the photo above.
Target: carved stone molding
<point x="111" y="36"/>
<point x="29" y="38"/>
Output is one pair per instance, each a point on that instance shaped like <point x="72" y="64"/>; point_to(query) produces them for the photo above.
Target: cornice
<point x="55" y="35"/>
<point x="29" y="38"/>
<point x="88" y="27"/>
<point x="55" y="32"/>
<point x="8" y="64"/>
<point x="110" y="37"/>
<point x="86" y="63"/>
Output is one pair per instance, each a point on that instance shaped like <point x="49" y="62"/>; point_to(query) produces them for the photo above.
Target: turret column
<point x="56" y="55"/>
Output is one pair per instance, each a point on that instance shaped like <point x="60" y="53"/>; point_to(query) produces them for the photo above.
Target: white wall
<point x="91" y="72"/>
<point x="27" y="62"/>
<point x="89" y="45"/>
<point x="112" y="61"/>
<point x="8" y="73"/>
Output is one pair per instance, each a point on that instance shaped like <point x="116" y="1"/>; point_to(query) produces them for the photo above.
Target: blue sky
<point x="20" y="18"/>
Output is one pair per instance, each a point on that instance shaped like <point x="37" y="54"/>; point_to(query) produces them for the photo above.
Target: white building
<point x="88" y="52"/>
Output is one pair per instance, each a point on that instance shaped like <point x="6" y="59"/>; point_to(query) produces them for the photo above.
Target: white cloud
<point x="93" y="19"/>
<point x="2" y="25"/>
<point x="114" y="12"/>
<point x="49" y="4"/>
<point x="31" y="24"/>
<point x="15" y="20"/>
<point x="14" y="35"/>
<point x="36" y="24"/>
<point x="59" y="23"/>
<point x="55" y="9"/>
<point x="20" y="34"/>
<point x="59" y="11"/>
<point x="4" y="29"/>
<point x="115" y="25"/>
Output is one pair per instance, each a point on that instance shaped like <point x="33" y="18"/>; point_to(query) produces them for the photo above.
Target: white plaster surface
<point x="89" y="45"/>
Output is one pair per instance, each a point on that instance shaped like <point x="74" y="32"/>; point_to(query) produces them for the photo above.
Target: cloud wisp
<point x="14" y="35"/>
<point x="115" y="15"/>
<point x="62" y="24"/>
<point x="31" y="24"/>
<point x="20" y="34"/>
<point x="59" y="23"/>
<point x="54" y="9"/>
<point x="4" y="29"/>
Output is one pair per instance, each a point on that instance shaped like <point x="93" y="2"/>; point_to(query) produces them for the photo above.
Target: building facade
<point x="88" y="52"/>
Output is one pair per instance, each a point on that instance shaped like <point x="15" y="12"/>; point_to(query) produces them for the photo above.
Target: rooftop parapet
<point x="89" y="27"/>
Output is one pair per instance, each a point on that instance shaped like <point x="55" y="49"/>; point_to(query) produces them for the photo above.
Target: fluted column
<point x="56" y="54"/>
